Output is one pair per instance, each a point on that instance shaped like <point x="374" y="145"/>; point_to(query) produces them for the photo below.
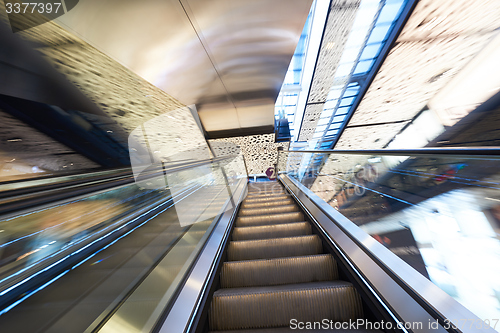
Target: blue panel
<point x="351" y="91"/>
<point x="332" y="132"/>
<point x="320" y="128"/>
<point x="343" y="110"/>
<point x="346" y="101"/>
<point x="334" y="126"/>
<point x="339" y="118"/>
<point x="379" y="33"/>
<point x="371" y="51"/>
<point x="390" y="12"/>
<point x="364" y="66"/>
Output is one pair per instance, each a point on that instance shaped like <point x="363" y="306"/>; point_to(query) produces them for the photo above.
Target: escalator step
<point x="253" y="273"/>
<point x="272" y="231"/>
<point x="274" y="248"/>
<point x="267" y="198"/>
<point x="255" y="186"/>
<point x="268" y="210"/>
<point x="266" y="190"/>
<point x="275" y="306"/>
<point x="248" y="221"/>
<point x="262" y="194"/>
<point x="271" y="203"/>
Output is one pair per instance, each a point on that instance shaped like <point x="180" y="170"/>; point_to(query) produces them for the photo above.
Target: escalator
<point x="210" y="253"/>
<point x="277" y="275"/>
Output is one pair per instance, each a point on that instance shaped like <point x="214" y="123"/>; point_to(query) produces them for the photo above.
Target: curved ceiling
<point x="229" y="57"/>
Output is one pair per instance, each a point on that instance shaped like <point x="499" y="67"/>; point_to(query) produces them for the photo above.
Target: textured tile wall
<point x="260" y="151"/>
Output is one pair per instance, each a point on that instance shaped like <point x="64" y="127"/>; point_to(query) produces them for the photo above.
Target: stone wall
<point x="260" y="151"/>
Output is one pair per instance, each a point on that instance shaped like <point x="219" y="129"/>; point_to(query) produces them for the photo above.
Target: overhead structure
<point x="228" y="58"/>
<point x="356" y="39"/>
<point x="436" y="46"/>
<point x="383" y="64"/>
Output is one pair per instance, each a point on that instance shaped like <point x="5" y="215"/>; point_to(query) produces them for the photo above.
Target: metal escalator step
<point x="247" y="221"/>
<point x="265" y="183"/>
<point x="265" y="190"/>
<point x="272" y="231"/>
<point x="255" y="196"/>
<point x="274" y="248"/>
<point x="267" y="198"/>
<point x="256" y="186"/>
<point x="260" y="194"/>
<point x="267" y="272"/>
<point x="269" y="203"/>
<point x="268" y="210"/>
<point x="253" y="187"/>
<point x="275" y="306"/>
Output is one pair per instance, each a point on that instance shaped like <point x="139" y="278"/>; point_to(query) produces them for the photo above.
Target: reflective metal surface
<point x="227" y="57"/>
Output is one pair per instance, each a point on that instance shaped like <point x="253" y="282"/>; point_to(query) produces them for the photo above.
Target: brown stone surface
<point x="260" y="151"/>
